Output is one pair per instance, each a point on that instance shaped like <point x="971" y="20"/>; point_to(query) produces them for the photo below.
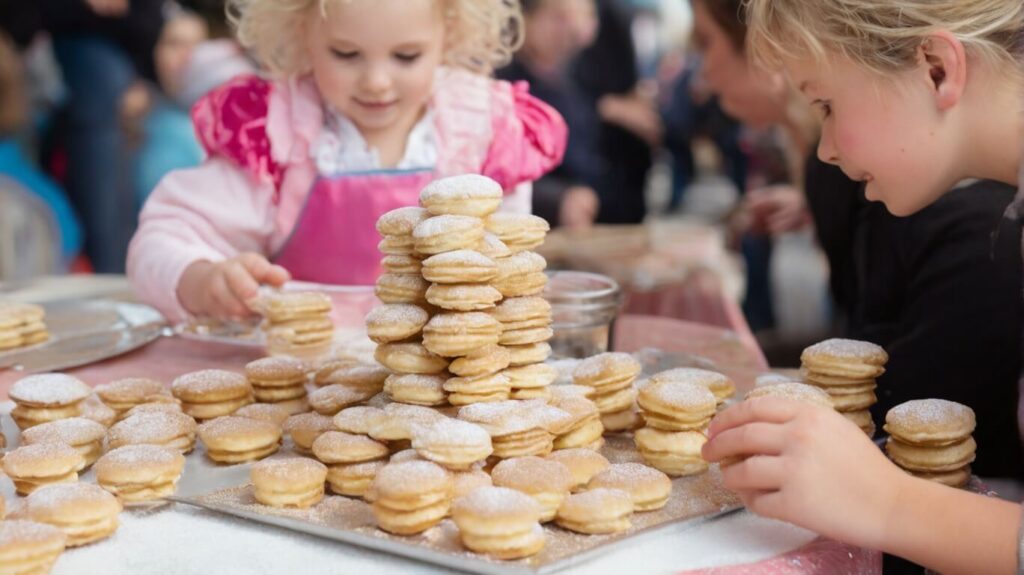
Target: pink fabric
<point x="529" y="137"/>
<point x="250" y="193"/>
<point x="819" y="557"/>
<point x="733" y="355"/>
<point x="338" y="224"/>
<point x="698" y="299"/>
<point x="232" y="122"/>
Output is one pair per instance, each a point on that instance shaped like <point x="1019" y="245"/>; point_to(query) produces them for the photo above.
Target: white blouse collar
<point x="340" y="148"/>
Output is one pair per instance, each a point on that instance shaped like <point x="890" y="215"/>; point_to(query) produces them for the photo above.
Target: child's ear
<point x="945" y="60"/>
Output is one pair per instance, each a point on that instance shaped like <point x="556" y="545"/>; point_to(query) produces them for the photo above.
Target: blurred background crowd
<point x="94" y="110"/>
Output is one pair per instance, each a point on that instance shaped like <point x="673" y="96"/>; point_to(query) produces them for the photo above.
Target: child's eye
<point x="344" y="54"/>
<point x="826" y="109"/>
<point x="407" y="58"/>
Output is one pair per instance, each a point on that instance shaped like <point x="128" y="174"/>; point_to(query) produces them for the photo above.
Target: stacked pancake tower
<point x="463" y="320"/>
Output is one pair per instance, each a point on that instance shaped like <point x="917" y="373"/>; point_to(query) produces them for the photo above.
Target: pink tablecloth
<point x="699" y="299"/>
<point x="738" y="356"/>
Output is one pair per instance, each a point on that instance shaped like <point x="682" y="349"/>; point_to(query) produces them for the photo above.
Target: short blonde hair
<point x="881" y="35"/>
<point x="481" y="35"/>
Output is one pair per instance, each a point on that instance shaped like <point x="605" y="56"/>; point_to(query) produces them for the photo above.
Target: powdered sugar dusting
<point x="275" y="367"/>
<point x="929" y="412"/>
<point x="293" y="469"/>
<point x="49" y="389"/>
<point x="492" y="247"/>
<point x="230" y="426"/>
<point x="133" y="389"/>
<point x="628" y="475"/>
<point x="403" y="281"/>
<point x="52" y="455"/>
<point x="209" y="381"/>
<point x="446" y="224"/>
<point x="680" y="395"/>
<point x="450" y="433"/>
<point x="532" y="474"/>
<point x="409" y="477"/>
<point x="521" y="263"/>
<point x="359" y="419"/>
<point x="496" y="502"/>
<point x="460" y="322"/>
<point x="792" y="390"/>
<point x="849" y="349"/>
<point x="603" y="363"/>
<point x="465" y="186"/>
<point x="401" y="221"/>
<point x="72" y="431"/>
<point x="131" y="456"/>
<point x="414" y="381"/>
<point x="400" y="313"/>
<point x="522" y="308"/>
<point x="461" y="258"/>
<point x="14" y="533"/>
<point x="151" y="427"/>
<point x="59" y="497"/>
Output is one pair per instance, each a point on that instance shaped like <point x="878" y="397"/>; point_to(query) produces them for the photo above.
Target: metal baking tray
<point x="227" y="490"/>
<point x="85" y="331"/>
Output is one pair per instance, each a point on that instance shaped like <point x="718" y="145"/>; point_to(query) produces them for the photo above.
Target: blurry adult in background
<point x="168" y="141"/>
<point x="556" y="32"/>
<point x="692" y="113"/>
<point x="630" y="128"/>
<point x="102" y="47"/>
<point x="21" y="181"/>
<point x="937" y="289"/>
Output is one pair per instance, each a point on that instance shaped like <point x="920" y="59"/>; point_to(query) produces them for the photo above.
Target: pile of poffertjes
<point x="461" y="417"/>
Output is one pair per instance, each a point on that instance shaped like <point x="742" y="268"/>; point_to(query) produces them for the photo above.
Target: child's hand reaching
<point x="809" y="466"/>
<point x="221" y="289"/>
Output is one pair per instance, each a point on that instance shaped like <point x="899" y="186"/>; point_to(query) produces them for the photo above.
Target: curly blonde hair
<point x="481" y="34"/>
<point x="881" y="35"/>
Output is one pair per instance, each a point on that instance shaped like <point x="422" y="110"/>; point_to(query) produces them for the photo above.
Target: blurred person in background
<point x="556" y="32"/>
<point x="22" y="181"/>
<point x="102" y="47"/>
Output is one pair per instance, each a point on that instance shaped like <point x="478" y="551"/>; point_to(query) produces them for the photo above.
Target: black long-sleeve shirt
<point x="941" y="291"/>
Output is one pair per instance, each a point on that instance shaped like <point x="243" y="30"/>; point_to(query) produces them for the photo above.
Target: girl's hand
<point x="809" y="466"/>
<point x="221" y="290"/>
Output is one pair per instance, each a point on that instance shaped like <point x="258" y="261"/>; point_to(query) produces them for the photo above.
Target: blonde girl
<point x="366" y="102"/>
<point x="914" y="96"/>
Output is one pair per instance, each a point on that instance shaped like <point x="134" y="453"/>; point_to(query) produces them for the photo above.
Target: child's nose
<point x="377" y="79"/>
<point x="827" y="151"/>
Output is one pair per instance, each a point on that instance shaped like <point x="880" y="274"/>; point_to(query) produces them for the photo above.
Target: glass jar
<point x="583" y="306"/>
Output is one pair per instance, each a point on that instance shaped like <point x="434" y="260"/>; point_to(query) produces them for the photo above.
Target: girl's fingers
<point x="757" y="473"/>
<point x="240" y="280"/>
<point x="765" y="503"/>
<point x="757" y="438"/>
<point x="262" y="270"/>
<point x="227" y="305"/>
<point x="764" y="409"/>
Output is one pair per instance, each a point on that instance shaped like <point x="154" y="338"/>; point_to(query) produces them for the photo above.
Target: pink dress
<point x="262" y="190"/>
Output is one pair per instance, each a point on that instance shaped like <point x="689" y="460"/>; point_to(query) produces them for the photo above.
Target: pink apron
<point x="335" y="238"/>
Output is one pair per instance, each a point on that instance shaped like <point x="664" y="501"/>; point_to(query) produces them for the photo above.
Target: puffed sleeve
<point x="529" y="136"/>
